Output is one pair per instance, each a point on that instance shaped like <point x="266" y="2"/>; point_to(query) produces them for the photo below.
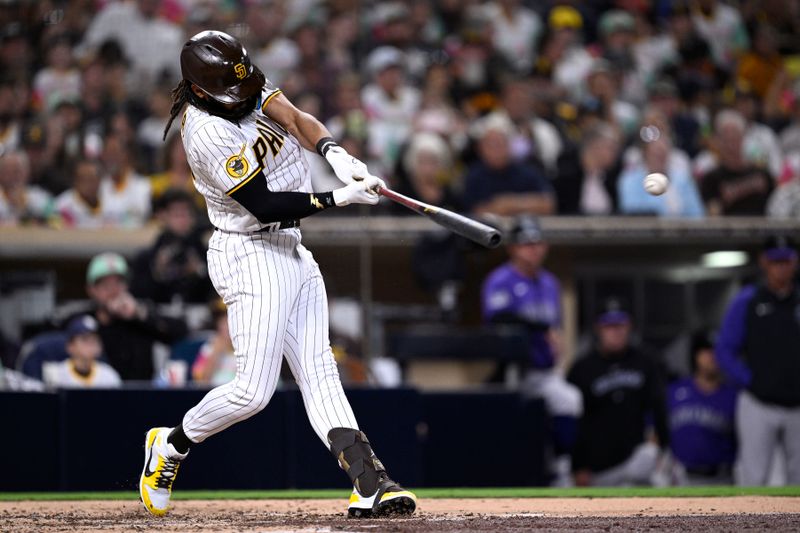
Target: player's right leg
<point x="247" y="279"/>
<point x="307" y="349"/>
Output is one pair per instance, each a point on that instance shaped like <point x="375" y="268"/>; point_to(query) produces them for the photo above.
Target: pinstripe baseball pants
<point x="277" y="307"/>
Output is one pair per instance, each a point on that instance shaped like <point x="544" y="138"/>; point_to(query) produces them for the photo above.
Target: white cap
<point x="384" y="57"/>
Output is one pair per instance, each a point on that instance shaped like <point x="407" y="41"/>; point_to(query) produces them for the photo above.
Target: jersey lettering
<point x="270" y="137"/>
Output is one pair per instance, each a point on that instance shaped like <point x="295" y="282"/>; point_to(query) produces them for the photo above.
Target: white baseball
<point x="656" y="183"/>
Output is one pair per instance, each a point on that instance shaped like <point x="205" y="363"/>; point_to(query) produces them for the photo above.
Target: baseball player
<point x="702" y="409"/>
<point x="757" y="350"/>
<point x="523" y="292"/>
<point x="244" y="142"/>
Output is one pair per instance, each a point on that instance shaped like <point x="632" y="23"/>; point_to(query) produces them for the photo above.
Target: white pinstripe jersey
<point x="223" y="156"/>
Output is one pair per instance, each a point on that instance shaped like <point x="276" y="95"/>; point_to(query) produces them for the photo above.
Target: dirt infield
<point x="501" y="514"/>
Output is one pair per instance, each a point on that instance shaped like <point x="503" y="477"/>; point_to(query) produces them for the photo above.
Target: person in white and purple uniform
<point x="702" y="410"/>
<point x="522" y="292"/>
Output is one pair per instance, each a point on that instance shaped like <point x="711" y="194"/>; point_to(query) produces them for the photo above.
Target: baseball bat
<point x="466" y="227"/>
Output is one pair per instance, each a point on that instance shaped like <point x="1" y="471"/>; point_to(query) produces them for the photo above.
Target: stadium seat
<point x="42" y="348"/>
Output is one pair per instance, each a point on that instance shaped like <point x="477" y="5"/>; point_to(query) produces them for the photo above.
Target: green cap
<point x="106" y="264"/>
<point x="616" y="20"/>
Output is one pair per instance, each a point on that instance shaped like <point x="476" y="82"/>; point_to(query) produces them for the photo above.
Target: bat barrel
<point x="471" y="229"/>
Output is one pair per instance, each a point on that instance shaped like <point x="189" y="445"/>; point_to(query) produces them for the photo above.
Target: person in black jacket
<point x="622" y="387"/>
<point x="128" y="327"/>
<point x="586" y="180"/>
<point x="757" y="348"/>
<point x="174" y="267"/>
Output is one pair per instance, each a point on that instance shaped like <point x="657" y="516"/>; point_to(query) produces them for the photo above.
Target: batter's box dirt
<point x="549" y="514"/>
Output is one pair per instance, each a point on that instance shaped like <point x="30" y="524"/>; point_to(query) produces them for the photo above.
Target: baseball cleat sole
<point x="392" y="504"/>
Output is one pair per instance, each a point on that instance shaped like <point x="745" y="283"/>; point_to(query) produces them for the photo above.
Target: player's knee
<point x="248" y="401"/>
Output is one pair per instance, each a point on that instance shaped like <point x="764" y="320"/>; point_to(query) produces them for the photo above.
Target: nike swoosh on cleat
<point x="147" y="471"/>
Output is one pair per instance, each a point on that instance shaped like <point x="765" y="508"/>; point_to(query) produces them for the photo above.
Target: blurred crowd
<point x="503" y="107"/>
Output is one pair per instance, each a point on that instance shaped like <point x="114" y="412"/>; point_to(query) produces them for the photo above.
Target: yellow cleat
<point x="389" y="500"/>
<point x="161" y="462"/>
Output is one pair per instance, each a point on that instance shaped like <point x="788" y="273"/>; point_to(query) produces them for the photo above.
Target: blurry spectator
<point x="79" y="206"/>
<point x="522" y="292"/>
<point x="16" y="53"/>
<point x="350" y="118"/>
<point x="784" y="202"/>
<point x="618" y="35"/>
<point x="562" y="55"/>
<point x="10" y="111"/>
<point x="655" y="154"/>
<point x="438" y="113"/>
<point x="602" y="85"/>
<point x="534" y="140"/>
<point x="437" y="260"/>
<point x="174" y="267"/>
<point x="34" y="143"/>
<point x="428" y="164"/>
<point x="269" y="48"/>
<point x="476" y="67"/>
<point x="128" y="327"/>
<point x="59" y="80"/>
<point x="152" y="44"/>
<point x="390" y="103"/>
<point x="685" y="128"/>
<point x="150" y="131"/>
<point x="516" y="31"/>
<point x="761" y="145"/>
<point x="622" y="389"/>
<point x="124" y="193"/>
<point x="757" y="350"/>
<point x="392" y="26"/>
<point x="20" y="202"/>
<point x="735" y="186"/>
<point x="760" y="66"/>
<point x="587" y="181"/>
<point x="68" y="139"/>
<point x="496" y="184"/>
<point x="722" y="28"/>
<point x="82" y="369"/>
<point x="176" y="174"/>
<point x="312" y="75"/>
<point x="216" y="361"/>
<point x="702" y="412"/>
<point x="341" y="39"/>
<point x="656" y="46"/>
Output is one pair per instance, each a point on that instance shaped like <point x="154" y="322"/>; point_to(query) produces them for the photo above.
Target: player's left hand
<point x="346" y="167"/>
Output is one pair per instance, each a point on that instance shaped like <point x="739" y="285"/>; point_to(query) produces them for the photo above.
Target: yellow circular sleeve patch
<point x="237" y="166"/>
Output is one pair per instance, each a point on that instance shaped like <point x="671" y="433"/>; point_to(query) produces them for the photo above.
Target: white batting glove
<point x="346" y="167"/>
<point x="359" y="192"/>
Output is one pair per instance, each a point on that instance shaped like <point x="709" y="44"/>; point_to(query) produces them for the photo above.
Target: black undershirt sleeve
<point x="267" y="206"/>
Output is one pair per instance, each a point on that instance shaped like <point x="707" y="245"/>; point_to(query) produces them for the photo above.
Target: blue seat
<point x="42" y="348"/>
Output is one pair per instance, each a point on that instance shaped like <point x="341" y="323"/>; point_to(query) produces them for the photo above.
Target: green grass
<point x="489" y="492"/>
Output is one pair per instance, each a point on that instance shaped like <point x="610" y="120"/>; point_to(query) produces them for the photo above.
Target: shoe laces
<point x="166" y="474"/>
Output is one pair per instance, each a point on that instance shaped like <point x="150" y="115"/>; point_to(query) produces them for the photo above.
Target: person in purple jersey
<point x="702" y="410"/>
<point x="757" y="348"/>
<point x="522" y="292"/>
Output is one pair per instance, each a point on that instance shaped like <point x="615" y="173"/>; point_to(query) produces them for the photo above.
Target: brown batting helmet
<point x="219" y="65"/>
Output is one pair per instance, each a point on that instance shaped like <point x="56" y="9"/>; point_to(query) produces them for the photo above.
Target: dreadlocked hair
<point x="180" y="97"/>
